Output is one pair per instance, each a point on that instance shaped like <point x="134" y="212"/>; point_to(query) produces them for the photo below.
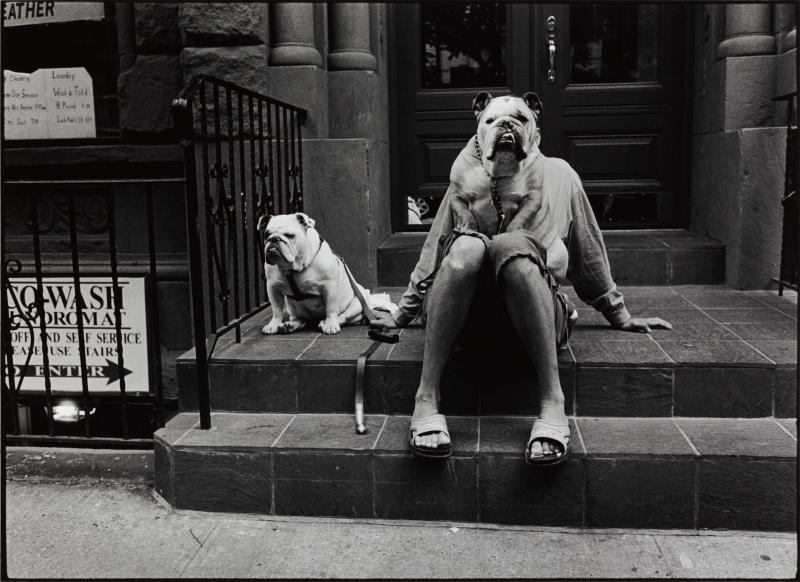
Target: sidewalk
<point x="88" y="527"/>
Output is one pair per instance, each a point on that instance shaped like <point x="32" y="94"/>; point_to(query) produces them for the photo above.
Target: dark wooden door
<point x="614" y="105"/>
<point x="442" y="54"/>
<point x="612" y="101"/>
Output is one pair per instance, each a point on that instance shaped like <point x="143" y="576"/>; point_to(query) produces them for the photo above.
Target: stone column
<point x="349" y="38"/>
<point x="293" y="35"/>
<point x="786" y="27"/>
<point x="786" y="77"/>
<point x="126" y="35"/>
<point x="747" y="60"/>
<point x="295" y="72"/>
<point x="790" y="41"/>
<point x="747" y="31"/>
<point x="354" y="161"/>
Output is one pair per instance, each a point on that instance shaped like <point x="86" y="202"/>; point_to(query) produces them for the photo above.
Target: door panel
<point x="490" y="47"/>
<point x="613" y="108"/>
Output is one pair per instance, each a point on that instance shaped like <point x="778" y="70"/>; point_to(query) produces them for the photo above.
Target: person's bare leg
<point x="529" y="302"/>
<point x="448" y="305"/>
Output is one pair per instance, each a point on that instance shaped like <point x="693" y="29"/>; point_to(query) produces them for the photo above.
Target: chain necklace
<point x="493" y="189"/>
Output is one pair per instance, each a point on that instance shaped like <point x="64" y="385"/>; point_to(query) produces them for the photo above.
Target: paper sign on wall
<point x="48" y="104"/>
<point x="99" y="332"/>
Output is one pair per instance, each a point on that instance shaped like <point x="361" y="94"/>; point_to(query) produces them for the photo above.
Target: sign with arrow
<point x="95" y="307"/>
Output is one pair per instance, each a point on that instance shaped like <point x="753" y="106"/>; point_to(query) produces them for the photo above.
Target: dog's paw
<point x="291" y="326"/>
<point x="271" y="328"/>
<point x="330" y="326"/>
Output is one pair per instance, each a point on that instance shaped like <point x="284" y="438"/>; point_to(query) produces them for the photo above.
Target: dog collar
<point x="298" y="295"/>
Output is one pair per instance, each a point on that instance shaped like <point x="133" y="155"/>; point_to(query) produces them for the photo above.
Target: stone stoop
<point x="730" y="354"/>
<point x="642" y="257"/>
<point x="622" y="472"/>
<point x="689" y="428"/>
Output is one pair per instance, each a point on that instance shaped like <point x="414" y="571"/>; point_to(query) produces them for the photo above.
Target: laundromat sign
<point x="28" y="13"/>
<point x="98" y="317"/>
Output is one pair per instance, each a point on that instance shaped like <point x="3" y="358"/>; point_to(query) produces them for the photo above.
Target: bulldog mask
<point x="306" y="282"/>
<point x="508" y="130"/>
<point x="508" y="139"/>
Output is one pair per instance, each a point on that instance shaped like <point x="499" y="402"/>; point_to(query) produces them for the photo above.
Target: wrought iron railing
<point x="73" y="342"/>
<point x="243" y="161"/>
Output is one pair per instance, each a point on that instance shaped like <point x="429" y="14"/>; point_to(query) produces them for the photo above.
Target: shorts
<point x="488" y="322"/>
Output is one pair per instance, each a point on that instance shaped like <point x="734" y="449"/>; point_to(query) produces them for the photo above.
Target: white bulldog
<point x="306" y="282"/>
<point x="508" y="138"/>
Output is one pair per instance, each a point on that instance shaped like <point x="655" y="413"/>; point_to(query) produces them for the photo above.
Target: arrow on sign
<point x="114" y="372"/>
<point x="111" y="371"/>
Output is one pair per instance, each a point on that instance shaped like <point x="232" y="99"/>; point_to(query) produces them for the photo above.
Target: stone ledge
<point x="647" y="257"/>
<point x="730" y="354"/>
<point x="85" y="464"/>
<point x="636" y="473"/>
<point x="602" y="437"/>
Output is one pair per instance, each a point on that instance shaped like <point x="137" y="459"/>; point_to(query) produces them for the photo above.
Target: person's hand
<point x="643" y="324"/>
<point x="385" y="319"/>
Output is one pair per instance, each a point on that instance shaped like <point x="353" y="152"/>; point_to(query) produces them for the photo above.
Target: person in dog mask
<point x="513" y="225"/>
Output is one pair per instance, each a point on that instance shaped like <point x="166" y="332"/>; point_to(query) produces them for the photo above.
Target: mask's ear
<point x="480" y="102"/>
<point x="532" y="100"/>
<point x="305" y="220"/>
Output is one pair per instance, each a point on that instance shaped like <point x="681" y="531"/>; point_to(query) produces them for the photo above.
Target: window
<point x="91" y="44"/>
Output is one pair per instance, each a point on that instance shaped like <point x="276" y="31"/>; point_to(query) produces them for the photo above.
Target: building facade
<point x="667" y="112"/>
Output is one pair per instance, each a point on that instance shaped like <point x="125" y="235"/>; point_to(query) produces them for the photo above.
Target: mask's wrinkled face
<point x="507" y="127"/>
<point x="285" y="238"/>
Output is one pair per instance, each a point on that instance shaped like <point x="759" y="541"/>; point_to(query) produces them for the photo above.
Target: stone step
<point x="730" y="354"/>
<point x="622" y="472"/>
<point x="641" y="257"/>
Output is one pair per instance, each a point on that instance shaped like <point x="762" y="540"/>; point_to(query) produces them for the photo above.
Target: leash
<point x="379" y="335"/>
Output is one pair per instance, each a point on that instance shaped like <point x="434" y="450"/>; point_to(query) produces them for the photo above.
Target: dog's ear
<point x="480" y="102"/>
<point x="305" y="220"/>
<point x="532" y="100"/>
<point x="261" y="225"/>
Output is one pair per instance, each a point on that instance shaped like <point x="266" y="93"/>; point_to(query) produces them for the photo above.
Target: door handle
<point x="551" y="48"/>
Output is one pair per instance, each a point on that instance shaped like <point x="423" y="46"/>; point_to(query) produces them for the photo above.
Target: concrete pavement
<point x="90" y="528"/>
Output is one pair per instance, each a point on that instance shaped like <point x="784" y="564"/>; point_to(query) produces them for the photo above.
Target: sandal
<point x="427" y="425"/>
<point x="557" y="432"/>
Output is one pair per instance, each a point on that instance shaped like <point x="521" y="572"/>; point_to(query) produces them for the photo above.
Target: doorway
<point x="612" y="78"/>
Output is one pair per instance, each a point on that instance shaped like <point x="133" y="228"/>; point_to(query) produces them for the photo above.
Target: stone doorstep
<point x="638" y="472"/>
<point x="730" y="354"/>
<point x="723" y="390"/>
<point x="649" y="257"/>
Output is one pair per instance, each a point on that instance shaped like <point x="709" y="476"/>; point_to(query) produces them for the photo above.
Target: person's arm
<point x="411" y="301"/>
<point x="590" y="272"/>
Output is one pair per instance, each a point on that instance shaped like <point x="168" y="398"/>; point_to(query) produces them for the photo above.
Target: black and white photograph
<point x="399" y="290"/>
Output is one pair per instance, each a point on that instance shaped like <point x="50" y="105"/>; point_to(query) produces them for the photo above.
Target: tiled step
<point x="730" y="354"/>
<point x="644" y="257"/>
<point x="623" y="472"/>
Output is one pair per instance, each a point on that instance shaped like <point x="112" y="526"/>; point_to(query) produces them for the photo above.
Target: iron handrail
<point x="187" y="93"/>
<point x="216" y="122"/>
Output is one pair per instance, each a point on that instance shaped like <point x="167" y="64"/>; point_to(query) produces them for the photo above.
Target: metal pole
<point x="184" y="119"/>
